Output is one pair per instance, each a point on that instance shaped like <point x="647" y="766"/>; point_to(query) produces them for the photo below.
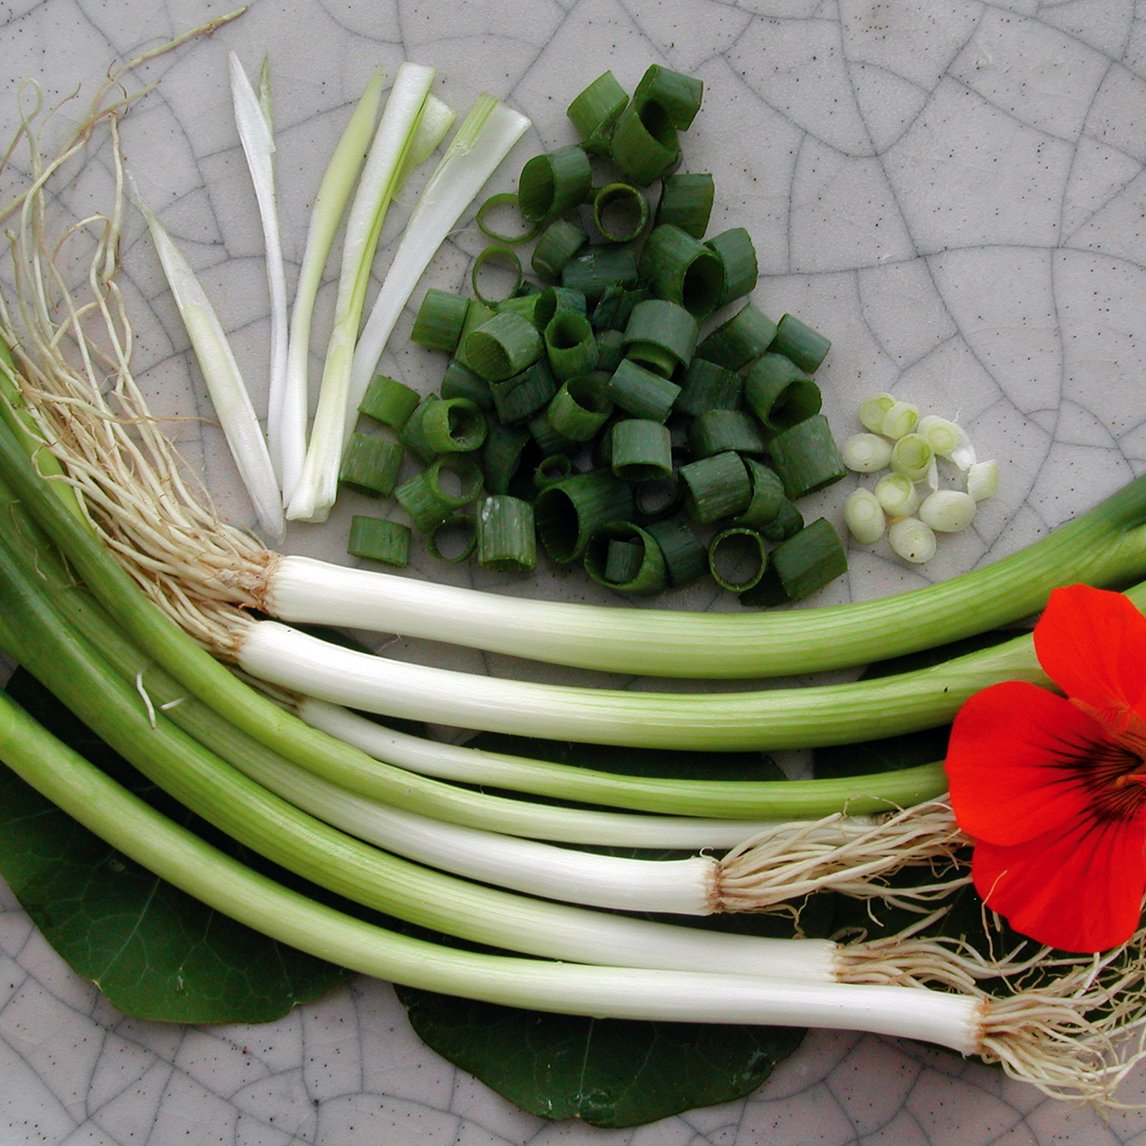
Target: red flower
<point x="1053" y="790"/>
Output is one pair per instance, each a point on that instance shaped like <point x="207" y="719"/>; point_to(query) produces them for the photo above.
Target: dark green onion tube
<point x="503" y="346"/>
<point x="412" y="436"/>
<point x="686" y="559"/>
<point x="800" y="566"/>
<point x="787" y="523"/>
<point x="644" y="142"/>
<point x="601" y="266"/>
<point x="370" y="465"/>
<point x="614" y="308"/>
<point x="641" y="450"/>
<point x="502" y="454"/>
<point x="709" y="386"/>
<point x="686" y="202"/>
<point x="658" y="497"/>
<point x="440" y="319"/>
<point x="459" y="381"/>
<point x="453" y="425"/>
<point x="799" y="342"/>
<point x="715" y="487"/>
<point x="570" y="344"/>
<point x="503" y="201"/>
<point x="483" y="268"/>
<point x="580" y="408"/>
<point x="389" y="401"/>
<point x="739" y="266"/>
<point x="767" y="500"/>
<point x="551" y="469"/>
<point x="548" y="439"/>
<point x="677" y="94"/>
<point x="379" y="539"/>
<point x="570" y="511"/>
<point x="806" y="458"/>
<point x="506" y="537"/>
<point x="661" y="335"/>
<point x="554" y="182"/>
<point x="518" y="398"/>
<point x="682" y="269"/>
<point x="594" y="111"/>
<point x="554" y="300"/>
<point x="716" y="431"/>
<point x="641" y="392"/>
<point x="455" y="540"/>
<point x="732" y="549"/>
<point x="555" y="246"/>
<point x="740" y="339"/>
<point x="620" y="212"/>
<point x="431" y="496"/>
<point x="779" y="393"/>
<point x="624" y="557"/>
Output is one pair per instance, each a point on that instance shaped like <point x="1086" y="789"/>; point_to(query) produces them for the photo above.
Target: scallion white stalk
<point x="255" y="122"/>
<point x="228" y="392"/>
<point x="485" y="137"/>
<point x="287" y="424"/>
<point x="314" y="493"/>
<point x="766" y="719"/>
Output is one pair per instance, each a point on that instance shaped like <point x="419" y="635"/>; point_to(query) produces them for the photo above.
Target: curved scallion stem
<point x="1105" y="547"/>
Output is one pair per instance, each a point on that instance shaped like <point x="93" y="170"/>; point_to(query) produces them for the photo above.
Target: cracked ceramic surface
<point x="952" y="189"/>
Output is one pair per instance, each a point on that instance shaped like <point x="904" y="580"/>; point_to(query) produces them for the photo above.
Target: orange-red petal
<point x="1019" y="763"/>
<point x="1090" y="642"/>
<point x="1078" y="889"/>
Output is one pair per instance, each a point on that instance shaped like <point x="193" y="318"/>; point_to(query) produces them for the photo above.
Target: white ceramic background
<point x="952" y="189"/>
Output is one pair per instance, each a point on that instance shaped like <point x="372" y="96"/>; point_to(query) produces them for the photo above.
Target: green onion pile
<point x="590" y="408"/>
<point x="126" y="595"/>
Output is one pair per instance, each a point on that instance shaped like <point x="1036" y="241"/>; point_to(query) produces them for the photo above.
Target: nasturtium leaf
<point x="153" y="951"/>
<point x="606" y="1072"/>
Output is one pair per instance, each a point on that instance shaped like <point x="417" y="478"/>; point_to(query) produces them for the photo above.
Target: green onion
<point x="626" y="558"/>
<point x="641" y="449"/>
<point x="806" y="347"/>
<point x="378" y="539"/>
<point x="767" y="499"/>
<point x="440" y="319"/>
<point x="912" y="540"/>
<point x="518" y="398"/>
<point x="580" y="408"/>
<point x="432" y="495"/>
<point x="799" y="566"/>
<point x="716" y="431"/>
<point x="506" y="538"/>
<point x="389" y="401"/>
<point x="779" y="393"/>
<point x="897" y="494"/>
<point x="644" y="143"/>
<point x="594" y="270"/>
<point x="676" y="94"/>
<point x="683" y="270"/>
<point x="570" y="511"/>
<point x="716" y="487"/>
<point x="947" y="510"/>
<point x="739" y="267"/>
<point x="620" y="212"/>
<point x="708" y="386"/>
<point x="506" y="264"/>
<point x="556" y="245"/>
<point x="747" y="548"/>
<point x="866" y="453"/>
<point x="740" y="339"/>
<point x="553" y="183"/>
<point x="594" y="110"/>
<point x="503" y="346"/>
<point x="806" y="458"/>
<point x="498" y="202"/>
<point x="912" y="456"/>
<point x="684" y="556"/>
<point x="864" y="516"/>
<point x="641" y="392"/>
<point x="686" y="202"/>
<point x="660" y="335"/>
<point x="983" y="479"/>
<point x="453" y="425"/>
<point x="570" y="344"/>
<point x="370" y="465"/>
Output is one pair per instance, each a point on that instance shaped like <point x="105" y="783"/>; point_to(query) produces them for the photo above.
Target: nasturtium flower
<point x="1052" y="789"/>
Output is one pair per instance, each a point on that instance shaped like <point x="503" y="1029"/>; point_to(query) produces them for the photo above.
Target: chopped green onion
<point x="506" y="271"/>
<point x="641" y="392"/>
<point x="555" y="246"/>
<point x="644" y="143"/>
<point x="716" y="431"/>
<point x="641" y="449"/>
<point x="620" y="212"/>
<point x="371" y="465"/>
<point x="580" y="408"/>
<point x="948" y="439"/>
<point x="570" y="344"/>
<point x="379" y="539"/>
<point x="864" y="516"/>
<point x="501" y="455"/>
<point x="519" y="397"/>
<point x="594" y="110"/>
<point x="866" y="453"/>
<point x="594" y="270"/>
<point x="779" y="393"/>
<point x="554" y="182"/>
<point x="873" y="412"/>
<point x="686" y="202"/>
<point x="660" y="334"/>
<point x="503" y="200"/>
<point x="716" y="487"/>
<point x="947" y="510"/>
<point x="455" y="540"/>
<point x="570" y="511"/>
<point x="983" y="479"/>
<point x="389" y="401"/>
<point x="506" y="537"/>
<point x="899" y="418"/>
<point x="912" y="456"/>
<point x="767" y="500"/>
<point x="708" y="386"/>
<point x="806" y="458"/>
<point x="897" y="494"/>
<point x="440" y="319"/>
<point x="800" y="566"/>
<point x="912" y="540"/>
<point x="682" y="269"/>
<point x="453" y="425"/>
<point x="685" y="557"/>
<point x="796" y="340"/>
<point x="740" y="339"/>
<point x="733" y="549"/>
<point x="459" y="381"/>
<point x="739" y="266"/>
<point x="431" y="495"/>
<point x="678" y="94"/>
<point x="503" y="346"/>
<point x="625" y="557"/>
